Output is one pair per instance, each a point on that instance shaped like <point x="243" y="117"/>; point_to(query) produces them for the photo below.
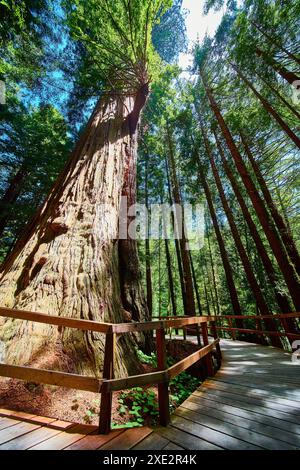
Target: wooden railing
<point x="282" y="317"/>
<point x="108" y="384"/>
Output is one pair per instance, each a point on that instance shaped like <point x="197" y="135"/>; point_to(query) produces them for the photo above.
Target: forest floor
<point x="74" y="405"/>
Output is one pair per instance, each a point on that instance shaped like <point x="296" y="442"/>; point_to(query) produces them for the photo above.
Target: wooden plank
<point x="128" y="439"/>
<point x="30" y="439"/>
<point x="50" y="377"/>
<point x="106" y="395"/>
<point x="185" y="440"/>
<point x="248" y="423"/>
<point x="244" y="390"/>
<point x="286" y="411"/>
<point x="281" y="390"/>
<point x="15" y="414"/>
<point x="94" y="441"/>
<point x="248" y="412"/>
<point x="163" y="388"/>
<point x="185" y="363"/>
<point x="217" y="397"/>
<point x="152" y="442"/>
<point x="66" y="438"/>
<point x="61" y="425"/>
<point x="214" y="437"/>
<point x="31" y="418"/>
<point x="233" y="430"/>
<point x="66" y="322"/>
<point x="15" y="431"/>
<point x="172" y="446"/>
<point x="7" y="422"/>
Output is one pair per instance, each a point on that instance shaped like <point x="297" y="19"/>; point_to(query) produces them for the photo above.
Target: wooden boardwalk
<point x="253" y="402"/>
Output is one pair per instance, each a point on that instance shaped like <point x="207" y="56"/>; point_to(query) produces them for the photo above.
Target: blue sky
<point x="198" y="25"/>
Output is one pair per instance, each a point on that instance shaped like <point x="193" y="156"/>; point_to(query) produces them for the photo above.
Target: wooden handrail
<point x="51" y="377"/>
<point x="102" y="327"/>
<point x="261" y="317"/>
<point x="216" y="317"/>
<point x="66" y="322"/>
<point x="258" y="332"/>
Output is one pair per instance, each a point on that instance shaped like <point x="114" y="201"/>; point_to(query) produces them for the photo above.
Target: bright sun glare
<point x="198" y="25"/>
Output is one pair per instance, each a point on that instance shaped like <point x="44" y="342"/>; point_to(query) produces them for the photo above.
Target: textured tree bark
<point x="253" y="284"/>
<point x="286" y="267"/>
<point x="267" y="106"/>
<point x="286" y="74"/>
<point x="186" y="267"/>
<point x="278" y="219"/>
<point x="68" y="262"/>
<point x="10" y="196"/>
<point x="282" y="300"/>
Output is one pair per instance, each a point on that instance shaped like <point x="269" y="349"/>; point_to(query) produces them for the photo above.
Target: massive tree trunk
<point x="10" y="196"/>
<point x="267" y="106"/>
<point x="186" y="267"/>
<point x="281" y="298"/>
<point x="286" y="74"/>
<point x="70" y="262"/>
<point x="278" y="219"/>
<point x="280" y="254"/>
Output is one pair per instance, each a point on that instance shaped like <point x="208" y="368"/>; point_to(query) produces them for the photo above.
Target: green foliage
<point x="117" y="37"/>
<point x="182" y="387"/>
<point x="139" y="404"/>
<point x="36" y="142"/>
<point x="146" y="359"/>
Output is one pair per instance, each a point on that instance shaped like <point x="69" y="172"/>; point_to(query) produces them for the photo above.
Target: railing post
<point x="163" y="388"/>
<point x="218" y="347"/>
<point x="208" y="358"/>
<point x="232" y="332"/>
<point x="198" y="334"/>
<point x="108" y="373"/>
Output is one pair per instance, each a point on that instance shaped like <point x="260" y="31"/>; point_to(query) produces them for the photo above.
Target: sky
<point x="198" y="25"/>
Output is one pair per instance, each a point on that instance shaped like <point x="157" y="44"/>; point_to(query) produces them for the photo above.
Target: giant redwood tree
<point x="69" y="261"/>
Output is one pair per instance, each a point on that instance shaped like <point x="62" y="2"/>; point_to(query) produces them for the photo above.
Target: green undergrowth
<point x="140" y="405"/>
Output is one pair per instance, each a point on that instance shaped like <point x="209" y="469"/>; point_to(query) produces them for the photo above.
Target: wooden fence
<point x="108" y="384"/>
